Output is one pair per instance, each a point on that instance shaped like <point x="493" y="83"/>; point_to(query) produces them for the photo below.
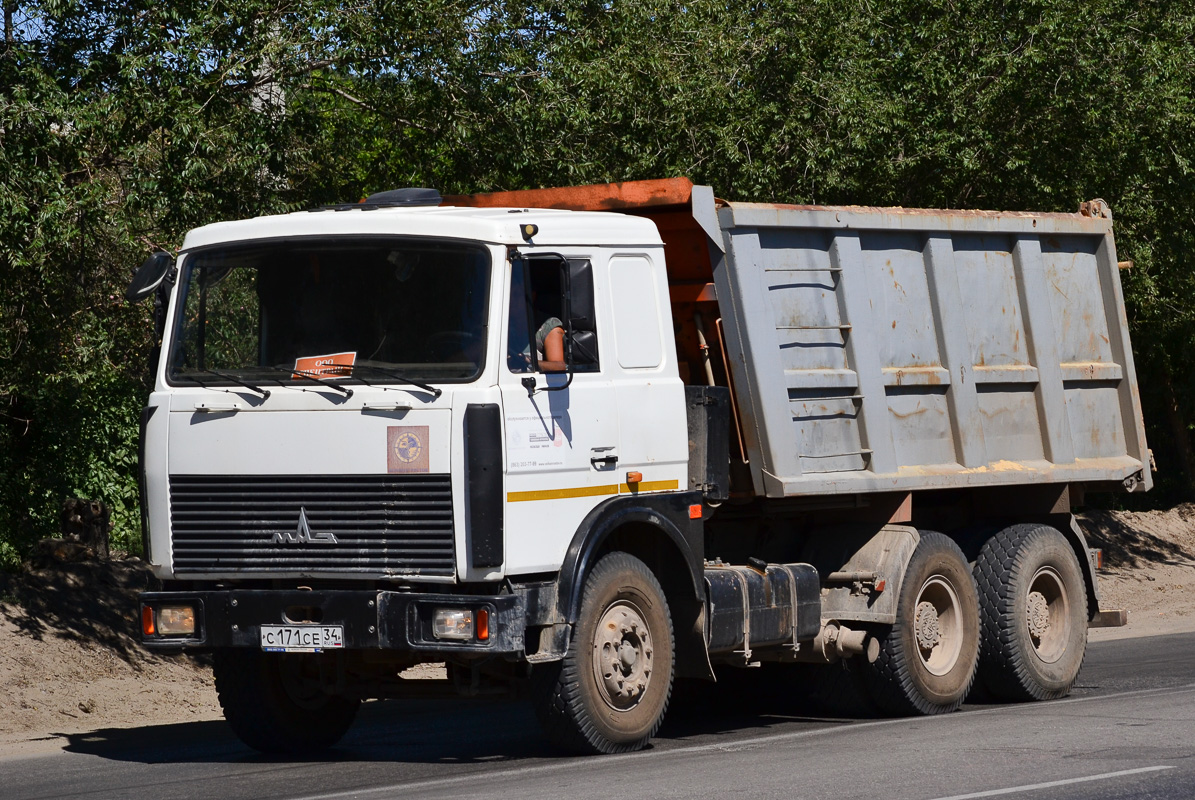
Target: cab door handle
<point x="603" y="458"/>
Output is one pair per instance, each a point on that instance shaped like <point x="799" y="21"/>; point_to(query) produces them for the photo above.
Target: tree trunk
<point x="87" y="522"/>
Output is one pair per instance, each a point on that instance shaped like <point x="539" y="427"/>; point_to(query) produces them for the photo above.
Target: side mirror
<point x="149" y="277"/>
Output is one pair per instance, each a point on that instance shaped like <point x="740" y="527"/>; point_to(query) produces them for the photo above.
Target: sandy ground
<point x="1149" y="569"/>
<point x="69" y="663"/>
<point x="57" y="686"/>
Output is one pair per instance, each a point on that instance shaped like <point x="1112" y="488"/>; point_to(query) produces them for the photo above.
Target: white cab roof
<point x="492" y="225"/>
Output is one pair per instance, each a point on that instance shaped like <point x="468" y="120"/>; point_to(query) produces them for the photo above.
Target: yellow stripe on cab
<point x="592" y="491"/>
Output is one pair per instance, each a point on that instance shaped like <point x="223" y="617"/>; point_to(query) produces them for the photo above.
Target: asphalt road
<point x="1127" y="731"/>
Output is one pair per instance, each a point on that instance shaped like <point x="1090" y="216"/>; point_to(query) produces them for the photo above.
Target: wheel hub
<point x="926" y="626"/>
<point x="622" y="662"/>
<point x="627" y="655"/>
<point x="938" y="628"/>
<point x="1039" y="615"/>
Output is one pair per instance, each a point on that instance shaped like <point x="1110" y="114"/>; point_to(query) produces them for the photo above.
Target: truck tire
<point x="1033" y="614"/>
<point x="610" y="692"/>
<point x="928" y="658"/>
<point x="272" y="708"/>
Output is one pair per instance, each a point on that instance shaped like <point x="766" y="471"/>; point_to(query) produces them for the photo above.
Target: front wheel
<point x="1033" y="603"/>
<point x="928" y="657"/>
<point x="275" y="702"/>
<point x="610" y="692"/>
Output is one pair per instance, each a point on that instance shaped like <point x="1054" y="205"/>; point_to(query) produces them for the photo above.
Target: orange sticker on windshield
<point x="331" y="365"/>
<point x="406" y="448"/>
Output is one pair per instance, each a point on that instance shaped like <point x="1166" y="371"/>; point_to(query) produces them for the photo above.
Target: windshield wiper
<point x="309" y="377"/>
<point x="398" y="376"/>
<point x="265" y="393"/>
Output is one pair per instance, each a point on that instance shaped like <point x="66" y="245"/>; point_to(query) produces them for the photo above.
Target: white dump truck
<point x="580" y="442"/>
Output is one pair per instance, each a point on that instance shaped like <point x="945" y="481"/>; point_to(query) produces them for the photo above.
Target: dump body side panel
<point x="899" y="349"/>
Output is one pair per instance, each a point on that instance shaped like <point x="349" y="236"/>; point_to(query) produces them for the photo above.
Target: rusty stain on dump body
<point x="920" y="409"/>
<point x="626" y="196"/>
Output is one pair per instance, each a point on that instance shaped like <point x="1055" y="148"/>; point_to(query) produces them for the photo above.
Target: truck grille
<point x="360" y="524"/>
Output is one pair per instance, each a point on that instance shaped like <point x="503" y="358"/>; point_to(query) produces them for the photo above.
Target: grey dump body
<point x="879" y="349"/>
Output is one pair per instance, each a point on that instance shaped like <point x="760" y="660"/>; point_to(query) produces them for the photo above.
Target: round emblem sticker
<point x="407" y="447"/>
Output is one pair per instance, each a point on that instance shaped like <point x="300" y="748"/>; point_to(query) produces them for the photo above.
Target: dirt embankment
<point x="69" y="661"/>
<point x="1149" y="568"/>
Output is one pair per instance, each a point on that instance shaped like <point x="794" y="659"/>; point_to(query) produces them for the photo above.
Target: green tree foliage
<point x="124" y="124"/>
<point x="121" y="126"/>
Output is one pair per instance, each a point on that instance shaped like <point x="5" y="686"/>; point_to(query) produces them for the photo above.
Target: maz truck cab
<point x="352" y="449"/>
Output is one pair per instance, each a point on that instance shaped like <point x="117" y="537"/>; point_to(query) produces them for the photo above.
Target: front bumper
<point x="372" y="620"/>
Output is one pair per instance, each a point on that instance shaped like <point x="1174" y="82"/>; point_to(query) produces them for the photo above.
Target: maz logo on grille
<point x="303" y="534"/>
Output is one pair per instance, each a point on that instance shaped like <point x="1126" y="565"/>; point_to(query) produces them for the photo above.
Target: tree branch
<point x="370" y="107"/>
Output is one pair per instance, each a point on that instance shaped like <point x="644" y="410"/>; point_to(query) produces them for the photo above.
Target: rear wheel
<point x="928" y="657"/>
<point x="275" y="702"/>
<point x="1033" y="604"/>
<point x="610" y="692"/>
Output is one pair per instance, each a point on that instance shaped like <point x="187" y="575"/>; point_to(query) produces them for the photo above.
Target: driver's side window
<point x="537" y="319"/>
<point x="536" y="311"/>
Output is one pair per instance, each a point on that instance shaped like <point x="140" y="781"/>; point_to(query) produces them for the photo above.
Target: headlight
<point x="176" y="620"/>
<point x="452" y="623"/>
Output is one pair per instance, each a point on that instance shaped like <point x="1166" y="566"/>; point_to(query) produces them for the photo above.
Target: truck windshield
<point x="346" y="310"/>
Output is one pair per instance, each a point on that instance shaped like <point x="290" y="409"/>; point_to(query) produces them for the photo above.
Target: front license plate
<point x="301" y="638"/>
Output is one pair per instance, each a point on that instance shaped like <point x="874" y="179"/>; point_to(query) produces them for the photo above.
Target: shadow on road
<point x="440" y="731"/>
<point x="210" y="741"/>
<point x="460" y="731"/>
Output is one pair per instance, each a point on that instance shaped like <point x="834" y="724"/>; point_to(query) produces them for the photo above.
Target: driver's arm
<point x="553" y="360"/>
